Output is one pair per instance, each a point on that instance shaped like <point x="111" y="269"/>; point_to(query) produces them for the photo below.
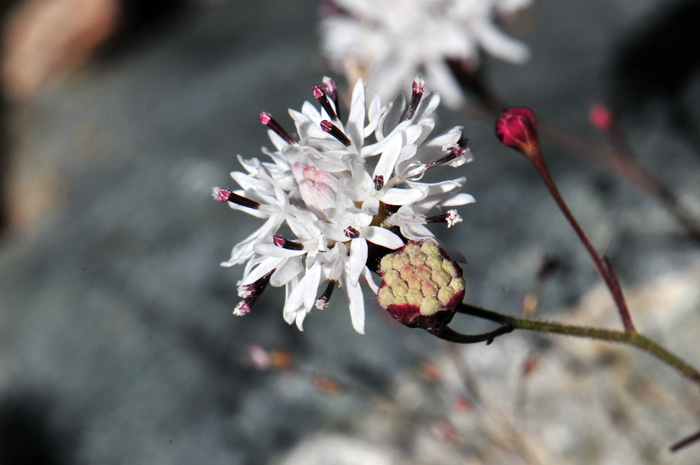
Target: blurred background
<point x="117" y="342"/>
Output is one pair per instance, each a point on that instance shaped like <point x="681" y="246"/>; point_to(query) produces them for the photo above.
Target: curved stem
<point x="624" y="337"/>
<point x="604" y="269"/>
<point x="449" y="334"/>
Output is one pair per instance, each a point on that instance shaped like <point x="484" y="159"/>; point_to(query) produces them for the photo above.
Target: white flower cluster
<point x="338" y="209"/>
<point x="389" y="41"/>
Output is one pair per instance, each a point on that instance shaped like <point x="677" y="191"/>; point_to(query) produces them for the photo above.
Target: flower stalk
<point x="517" y="128"/>
<point x="632" y="338"/>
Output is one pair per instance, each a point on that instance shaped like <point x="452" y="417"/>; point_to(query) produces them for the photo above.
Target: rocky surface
<point x="118" y="344"/>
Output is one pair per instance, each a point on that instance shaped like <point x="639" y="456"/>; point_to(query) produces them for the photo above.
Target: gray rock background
<point x="117" y="343"/>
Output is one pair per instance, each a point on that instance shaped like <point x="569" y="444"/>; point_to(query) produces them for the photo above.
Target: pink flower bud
<point x="517" y="128"/>
<point x="600" y="117"/>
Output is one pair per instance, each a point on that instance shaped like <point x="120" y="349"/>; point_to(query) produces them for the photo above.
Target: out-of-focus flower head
<point x="337" y="211"/>
<point x="389" y="41"/>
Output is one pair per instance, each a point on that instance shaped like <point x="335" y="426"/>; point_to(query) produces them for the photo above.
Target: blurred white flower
<point x="320" y="190"/>
<point x="390" y="41"/>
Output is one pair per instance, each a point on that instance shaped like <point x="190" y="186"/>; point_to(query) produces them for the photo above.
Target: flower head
<point x="389" y="41"/>
<point x="421" y="285"/>
<point x="338" y="210"/>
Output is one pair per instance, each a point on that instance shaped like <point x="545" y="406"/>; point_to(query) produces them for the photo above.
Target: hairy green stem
<point x="623" y="337"/>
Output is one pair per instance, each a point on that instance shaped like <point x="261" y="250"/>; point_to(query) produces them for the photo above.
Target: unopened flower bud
<point x="600" y="117"/>
<point x="517" y="128"/>
<point x="421" y="285"/>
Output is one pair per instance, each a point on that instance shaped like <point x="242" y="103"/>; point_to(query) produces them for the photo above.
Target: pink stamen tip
<point x="265" y="118"/>
<point x="243" y="308"/>
<point x="325" y="103"/>
<point x="246" y="290"/>
<point x="453" y="218"/>
<point x="222" y="194"/>
<point x="332" y="91"/>
<point x="418" y="91"/>
<point x="330" y="87"/>
<point x="322" y="301"/>
<point x="278" y="240"/>
<point x="336" y="132"/>
<point x="418" y="86"/>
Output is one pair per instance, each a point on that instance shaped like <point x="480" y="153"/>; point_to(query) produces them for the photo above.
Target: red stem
<point x="608" y="274"/>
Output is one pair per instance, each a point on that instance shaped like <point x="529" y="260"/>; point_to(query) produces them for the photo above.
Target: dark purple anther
<point x="463" y="142"/>
<point x="225" y="195"/>
<point x="418" y="91"/>
<point x="325" y="103"/>
<point x="332" y="91"/>
<point x="269" y="121"/>
<point x="251" y="292"/>
<point x="286" y="244"/>
<point x="335" y="131"/>
<point x="455" y="152"/>
<point x="351" y="232"/>
<point x="378" y="182"/>
<point x="322" y="301"/>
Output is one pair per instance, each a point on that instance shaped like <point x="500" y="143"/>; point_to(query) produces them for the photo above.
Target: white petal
<point x="312" y="278"/>
<point x="373" y="115"/>
<point x="356" y="119"/>
<point x="387" y="162"/>
<point x="382" y="236"/>
<point x="402" y="196"/>
<point x="293" y="267"/>
<point x="311" y="112"/>
<point x="428" y="104"/>
<point x="260" y="270"/>
<point x="441" y="79"/>
<point x="277" y="141"/>
<point x="459" y="199"/>
<point x="301" y="315"/>
<point x="358" y="258"/>
<point x="416" y="232"/>
<point x="272" y="250"/>
<point x="498" y="44"/>
<point x="369" y="277"/>
<point x="371" y="205"/>
<point x="356" y="303"/>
